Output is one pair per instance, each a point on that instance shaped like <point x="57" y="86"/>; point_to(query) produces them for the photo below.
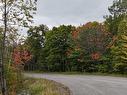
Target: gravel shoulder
<point x="88" y="84"/>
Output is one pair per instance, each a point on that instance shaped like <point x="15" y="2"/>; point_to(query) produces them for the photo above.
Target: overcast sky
<point x="75" y="12"/>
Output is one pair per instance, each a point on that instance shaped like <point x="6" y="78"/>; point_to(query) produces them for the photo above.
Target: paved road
<point x="88" y="84"/>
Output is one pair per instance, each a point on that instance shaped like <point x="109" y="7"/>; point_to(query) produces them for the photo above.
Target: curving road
<point x="89" y="84"/>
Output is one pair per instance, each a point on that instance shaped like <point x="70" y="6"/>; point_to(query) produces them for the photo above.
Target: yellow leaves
<point x="124" y="52"/>
<point x="124" y="37"/>
<point x="125" y="46"/>
<point x="124" y="58"/>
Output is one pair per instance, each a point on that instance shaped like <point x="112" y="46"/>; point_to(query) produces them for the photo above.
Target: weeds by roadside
<point x="45" y="87"/>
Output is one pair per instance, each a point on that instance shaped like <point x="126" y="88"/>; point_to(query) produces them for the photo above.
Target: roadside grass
<point x="83" y="73"/>
<point x="94" y="73"/>
<point x="44" y="87"/>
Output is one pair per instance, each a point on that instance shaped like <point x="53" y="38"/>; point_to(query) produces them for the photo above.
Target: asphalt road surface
<point x="89" y="84"/>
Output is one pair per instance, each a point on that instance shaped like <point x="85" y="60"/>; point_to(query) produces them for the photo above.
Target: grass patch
<point x="83" y="73"/>
<point x="44" y="87"/>
<point x="92" y="73"/>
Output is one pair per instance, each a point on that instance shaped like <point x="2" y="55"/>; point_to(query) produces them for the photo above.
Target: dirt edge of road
<point x="64" y="90"/>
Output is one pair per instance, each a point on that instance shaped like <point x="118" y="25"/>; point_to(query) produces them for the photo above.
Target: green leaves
<point x="36" y="38"/>
<point x="93" y="38"/>
<point x="119" y="51"/>
<point x="35" y="41"/>
<point x="58" y="42"/>
<point x="117" y="12"/>
<point x="118" y="8"/>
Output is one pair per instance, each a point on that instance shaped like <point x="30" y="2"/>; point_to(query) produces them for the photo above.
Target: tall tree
<point x="117" y="12"/>
<point x="58" y="42"/>
<point x="118" y="8"/>
<point x="93" y="40"/>
<point x="35" y="41"/>
<point x="15" y="13"/>
<point x="119" y="50"/>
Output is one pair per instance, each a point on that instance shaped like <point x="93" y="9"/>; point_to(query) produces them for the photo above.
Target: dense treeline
<point x="92" y="47"/>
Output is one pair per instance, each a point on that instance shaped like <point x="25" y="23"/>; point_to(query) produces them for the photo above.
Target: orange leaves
<point x="16" y="56"/>
<point x="95" y="56"/>
<point x="93" y="38"/>
<point x="21" y="55"/>
<point x="75" y="34"/>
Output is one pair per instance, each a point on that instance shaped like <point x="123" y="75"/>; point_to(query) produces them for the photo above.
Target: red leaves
<point x="21" y="56"/>
<point x="75" y="34"/>
<point x="93" y="37"/>
<point x="95" y="56"/>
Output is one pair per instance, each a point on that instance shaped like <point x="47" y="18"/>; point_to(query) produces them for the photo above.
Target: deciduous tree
<point x="119" y="50"/>
<point x="35" y="41"/>
<point x="58" y="42"/>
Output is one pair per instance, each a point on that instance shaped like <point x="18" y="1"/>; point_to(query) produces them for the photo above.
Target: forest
<point x="90" y="47"/>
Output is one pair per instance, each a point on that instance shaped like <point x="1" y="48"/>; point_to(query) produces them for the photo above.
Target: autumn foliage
<point x="21" y="55"/>
<point x="93" y="37"/>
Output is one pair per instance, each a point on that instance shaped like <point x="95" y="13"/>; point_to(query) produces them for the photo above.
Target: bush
<point x="90" y="67"/>
<point x="104" y="68"/>
<point x="14" y="80"/>
<point x="120" y="68"/>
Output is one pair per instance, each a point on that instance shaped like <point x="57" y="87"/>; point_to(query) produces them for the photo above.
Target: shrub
<point x="104" y="68"/>
<point x="120" y="68"/>
<point x="14" y="80"/>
